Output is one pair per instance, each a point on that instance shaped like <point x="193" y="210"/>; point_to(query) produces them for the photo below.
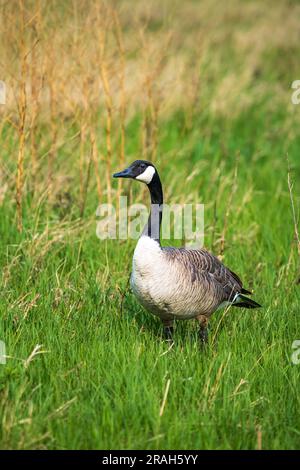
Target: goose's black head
<point x="140" y="170"/>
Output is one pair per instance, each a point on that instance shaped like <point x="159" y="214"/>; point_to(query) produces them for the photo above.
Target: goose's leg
<point x="203" y="332"/>
<point x="168" y="329"/>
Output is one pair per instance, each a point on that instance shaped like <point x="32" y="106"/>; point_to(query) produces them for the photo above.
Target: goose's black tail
<point x="245" y="302"/>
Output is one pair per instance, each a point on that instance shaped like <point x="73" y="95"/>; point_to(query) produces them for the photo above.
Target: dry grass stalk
<point x="36" y="85"/>
<point x="36" y="351"/>
<point x="81" y="160"/>
<point x="152" y="144"/>
<point x="61" y="409"/>
<point x="85" y="122"/>
<point x="122" y="108"/>
<point x="22" y="108"/>
<point x="53" y="117"/>
<point x="211" y="389"/>
<point x="109" y="107"/>
<point x="162" y="408"/>
<point x="95" y="161"/>
<point x="259" y="437"/>
<point x="87" y="180"/>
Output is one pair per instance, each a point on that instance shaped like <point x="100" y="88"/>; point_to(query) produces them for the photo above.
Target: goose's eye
<point x="143" y="166"/>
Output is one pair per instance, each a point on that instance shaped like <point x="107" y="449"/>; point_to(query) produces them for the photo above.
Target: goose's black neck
<point x="152" y="228"/>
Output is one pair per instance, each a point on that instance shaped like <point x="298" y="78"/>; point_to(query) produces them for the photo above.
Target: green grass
<point x="101" y="379"/>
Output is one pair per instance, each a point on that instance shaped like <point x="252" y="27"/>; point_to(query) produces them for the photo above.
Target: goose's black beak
<point x="127" y="173"/>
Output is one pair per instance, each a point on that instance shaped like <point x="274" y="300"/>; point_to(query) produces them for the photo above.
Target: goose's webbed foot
<point x="203" y="335"/>
<point x="168" y="333"/>
<point x="203" y="330"/>
<point x="168" y="330"/>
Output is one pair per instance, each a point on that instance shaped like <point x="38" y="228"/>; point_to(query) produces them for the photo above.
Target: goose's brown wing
<point x="205" y="267"/>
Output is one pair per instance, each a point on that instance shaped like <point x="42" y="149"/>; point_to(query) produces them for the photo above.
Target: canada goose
<point x="178" y="283"/>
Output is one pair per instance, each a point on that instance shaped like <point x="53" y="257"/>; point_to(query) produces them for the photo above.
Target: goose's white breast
<point x="150" y="278"/>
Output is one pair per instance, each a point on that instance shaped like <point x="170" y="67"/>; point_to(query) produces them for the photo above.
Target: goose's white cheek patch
<point x="147" y="175"/>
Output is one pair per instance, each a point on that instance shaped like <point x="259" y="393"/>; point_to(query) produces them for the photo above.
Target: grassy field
<point x="204" y="90"/>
